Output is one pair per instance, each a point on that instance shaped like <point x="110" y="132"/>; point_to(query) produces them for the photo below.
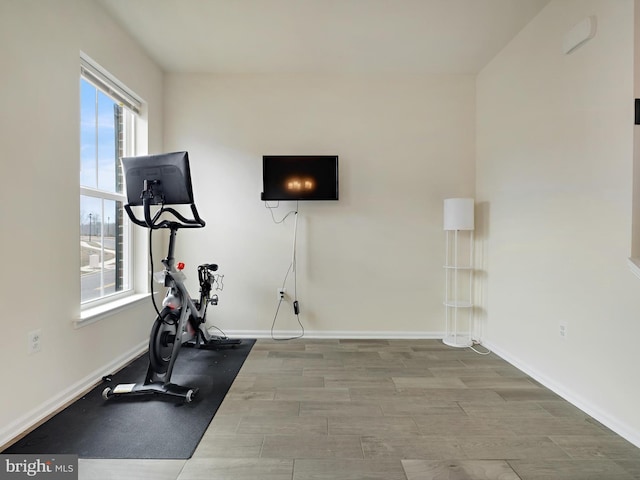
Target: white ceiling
<point x="348" y="36"/>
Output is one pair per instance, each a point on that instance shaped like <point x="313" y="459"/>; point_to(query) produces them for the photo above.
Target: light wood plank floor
<point x="388" y="409"/>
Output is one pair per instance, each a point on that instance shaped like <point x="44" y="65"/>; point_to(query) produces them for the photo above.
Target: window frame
<point x="92" y="73"/>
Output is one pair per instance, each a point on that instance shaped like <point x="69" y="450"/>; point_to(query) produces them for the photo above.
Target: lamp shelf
<point x="458" y="340"/>
<point x="458" y="267"/>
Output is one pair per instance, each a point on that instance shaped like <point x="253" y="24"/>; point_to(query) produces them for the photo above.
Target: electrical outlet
<point x="34" y="341"/>
<point x="563" y="330"/>
<point x="281" y="292"/>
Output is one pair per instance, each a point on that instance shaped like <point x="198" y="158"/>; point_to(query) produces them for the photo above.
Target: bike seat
<point x="209" y="266"/>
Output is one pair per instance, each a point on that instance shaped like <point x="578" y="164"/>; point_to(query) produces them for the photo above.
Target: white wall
<point x="370" y="263"/>
<point x="554" y="170"/>
<point x="39" y="201"/>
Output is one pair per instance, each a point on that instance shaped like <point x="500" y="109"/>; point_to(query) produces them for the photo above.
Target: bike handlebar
<point x="155" y="223"/>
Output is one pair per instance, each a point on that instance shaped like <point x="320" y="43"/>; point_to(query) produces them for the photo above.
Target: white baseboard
<point x="583" y="404"/>
<point x="333" y="334"/>
<point x="57" y="402"/>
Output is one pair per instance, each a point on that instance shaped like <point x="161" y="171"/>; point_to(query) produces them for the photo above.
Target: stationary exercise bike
<point x="165" y="180"/>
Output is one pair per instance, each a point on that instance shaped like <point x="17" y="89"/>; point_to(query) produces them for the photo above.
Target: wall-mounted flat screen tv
<point x="300" y="177"/>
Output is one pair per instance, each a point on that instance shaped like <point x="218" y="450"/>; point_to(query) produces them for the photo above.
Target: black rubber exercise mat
<point x="154" y="427"/>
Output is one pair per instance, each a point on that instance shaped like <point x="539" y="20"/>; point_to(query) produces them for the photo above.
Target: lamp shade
<point x="458" y="214"/>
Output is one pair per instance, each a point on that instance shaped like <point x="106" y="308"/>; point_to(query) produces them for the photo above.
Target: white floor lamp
<point x="458" y="266"/>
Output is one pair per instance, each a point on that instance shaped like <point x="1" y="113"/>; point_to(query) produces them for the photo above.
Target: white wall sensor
<point x="578" y="35"/>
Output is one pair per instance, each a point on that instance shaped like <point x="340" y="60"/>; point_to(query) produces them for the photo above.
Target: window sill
<point x="634" y="266"/>
<point x="92" y="315"/>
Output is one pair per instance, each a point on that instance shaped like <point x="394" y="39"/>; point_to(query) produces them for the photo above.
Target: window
<point x="107" y="132"/>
